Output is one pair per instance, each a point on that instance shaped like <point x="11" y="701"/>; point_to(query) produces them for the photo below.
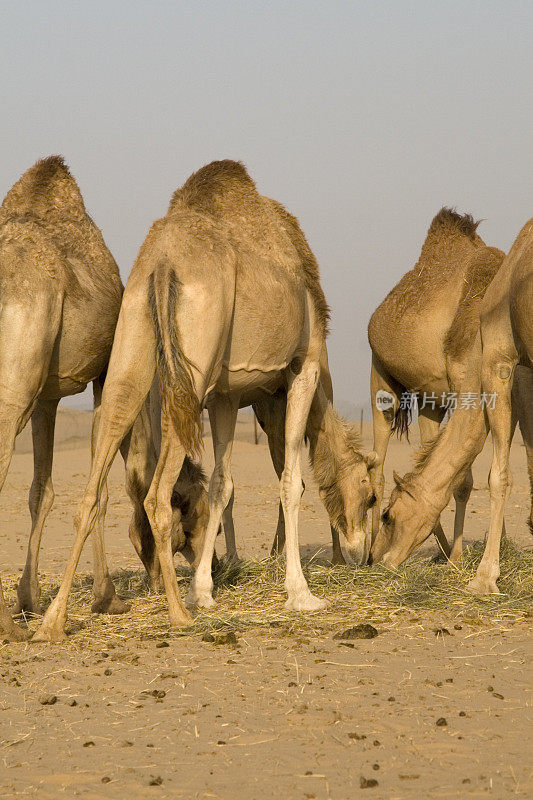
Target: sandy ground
<point x="279" y="713"/>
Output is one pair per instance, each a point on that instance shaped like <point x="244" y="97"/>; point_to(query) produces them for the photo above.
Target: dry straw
<point x="251" y="595"/>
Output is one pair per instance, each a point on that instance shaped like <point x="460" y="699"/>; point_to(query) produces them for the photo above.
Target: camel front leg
<point x="41" y="501"/>
<point x="223" y="410"/>
<point x="300" y="393"/>
<point x="461" y="496"/>
<point x="382" y="421"/>
<point x="228" y="526"/>
<point x="497" y="380"/>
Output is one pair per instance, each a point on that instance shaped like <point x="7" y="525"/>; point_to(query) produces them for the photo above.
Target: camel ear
<point x="402" y="484"/>
<point x="398" y="480"/>
<point x="372" y="459"/>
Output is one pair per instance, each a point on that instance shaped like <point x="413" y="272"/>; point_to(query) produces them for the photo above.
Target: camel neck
<point x="455" y="449"/>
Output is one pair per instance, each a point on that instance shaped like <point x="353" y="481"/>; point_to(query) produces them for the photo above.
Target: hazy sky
<point x="364" y="118"/>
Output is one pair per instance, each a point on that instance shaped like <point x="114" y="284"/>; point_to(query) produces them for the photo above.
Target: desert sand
<point x="278" y="713"/>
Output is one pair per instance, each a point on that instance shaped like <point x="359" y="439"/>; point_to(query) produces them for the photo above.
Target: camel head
<point x="190" y="515"/>
<point x="406" y="522"/>
<point x="348" y="496"/>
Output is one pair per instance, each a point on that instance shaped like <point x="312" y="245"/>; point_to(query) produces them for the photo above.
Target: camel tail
<point x="178" y="396"/>
<point x="402" y="419"/>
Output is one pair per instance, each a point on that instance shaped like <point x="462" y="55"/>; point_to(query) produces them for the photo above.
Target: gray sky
<point x="364" y="118"/>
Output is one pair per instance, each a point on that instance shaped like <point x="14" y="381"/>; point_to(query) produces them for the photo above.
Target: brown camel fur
<point x="420" y="337"/>
<point x="501" y="348"/>
<point x="221" y="304"/>
<point x="60" y="295"/>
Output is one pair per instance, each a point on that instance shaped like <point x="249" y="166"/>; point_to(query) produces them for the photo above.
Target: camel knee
<point x="220" y="488"/>
<point x="290" y="489"/>
<point x="42" y="496"/>
<point x="498" y="482"/>
<point x="160" y="517"/>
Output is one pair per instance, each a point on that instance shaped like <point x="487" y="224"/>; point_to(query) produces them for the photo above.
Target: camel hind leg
<point x="497" y="376"/>
<point x="224" y="411"/>
<point x="41" y="501"/>
<point x="159" y="511"/>
<point x="301" y="389"/>
<point x="27" y="336"/>
<point x="129" y="377"/>
<point x="106" y="600"/>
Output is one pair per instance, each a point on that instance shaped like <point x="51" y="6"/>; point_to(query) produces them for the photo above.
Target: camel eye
<point x="372" y="501"/>
<point x="386" y="517"/>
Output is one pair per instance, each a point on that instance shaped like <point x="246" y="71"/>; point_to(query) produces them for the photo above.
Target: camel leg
<point x="106" y="600"/>
<point x="461" y="496"/>
<point x="223" y="410"/>
<point x="300" y="391"/>
<point x="140" y="461"/>
<point x="382" y="421"/>
<point x="229" y="531"/>
<point x="41" y="501"/>
<point x="9" y="427"/>
<point x="159" y="512"/>
<point x="227" y="515"/>
<point x="523" y="402"/>
<point x="27" y="336"/>
<point x="496" y="378"/>
<point x="130" y="374"/>
<point x="429" y="420"/>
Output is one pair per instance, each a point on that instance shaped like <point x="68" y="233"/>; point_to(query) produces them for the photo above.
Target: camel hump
<point x="213" y="183"/>
<point x="483" y="265"/>
<point x="450" y="219"/>
<point x="45" y="189"/>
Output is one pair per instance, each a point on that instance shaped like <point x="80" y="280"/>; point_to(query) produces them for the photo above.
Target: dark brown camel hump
<point x="449" y="218"/>
<point x="213" y="182"/>
<point x="47" y="188"/>
<point x="483" y="266"/>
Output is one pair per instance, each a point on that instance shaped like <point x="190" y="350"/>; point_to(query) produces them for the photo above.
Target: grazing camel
<point x="420" y="337"/>
<point x="221" y="304"/>
<point x="501" y="348"/>
<point x="60" y="294"/>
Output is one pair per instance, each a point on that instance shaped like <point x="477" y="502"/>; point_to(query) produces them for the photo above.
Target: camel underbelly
<point x="249" y="379"/>
<point x="81" y="352"/>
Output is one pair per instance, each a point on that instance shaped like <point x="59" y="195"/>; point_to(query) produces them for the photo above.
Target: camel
<point x="501" y="350"/>
<point x="220" y="304"/>
<point x="420" y="337"/>
<point x="60" y="294"/>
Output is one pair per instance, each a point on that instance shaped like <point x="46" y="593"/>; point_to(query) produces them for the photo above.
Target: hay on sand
<point x="250" y="594"/>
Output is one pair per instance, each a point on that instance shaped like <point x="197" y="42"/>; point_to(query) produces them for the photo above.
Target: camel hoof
<point x="112" y="605"/>
<point x="305" y="601"/>
<point x="181" y="619"/>
<point x="205" y="600"/>
<point x="230" y="560"/>
<point x="483" y="586"/>
<point x="14" y="633"/>
<point x="26" y="607"/>
<point x="338" y="560"/>
<point x="49" y="633"/>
